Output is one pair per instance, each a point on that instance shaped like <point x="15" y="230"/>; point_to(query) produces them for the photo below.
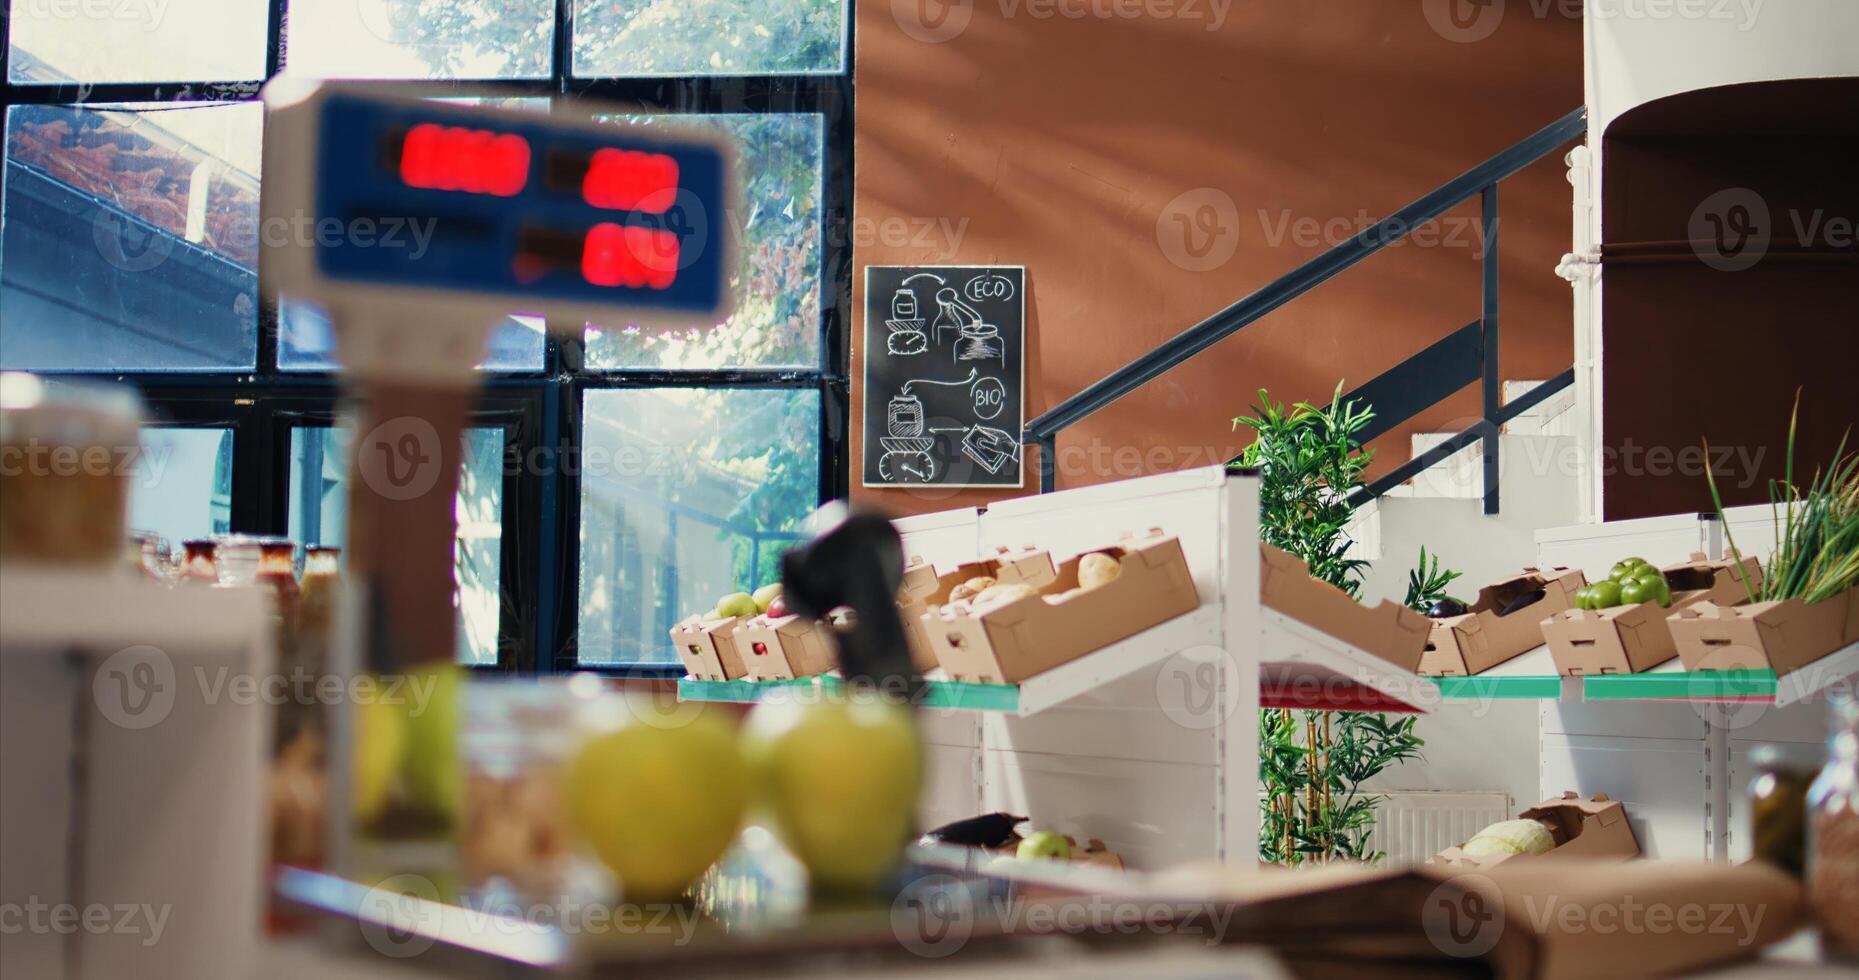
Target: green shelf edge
<point x="938" y="694"/>
<point x="739" y="692"/>
<point x="1477" y="688"/>
<point x="1679" y="685"/>
<point x="972" y="697"/>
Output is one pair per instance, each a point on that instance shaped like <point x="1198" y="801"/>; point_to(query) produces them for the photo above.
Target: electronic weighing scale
<point x="553" y="215"/>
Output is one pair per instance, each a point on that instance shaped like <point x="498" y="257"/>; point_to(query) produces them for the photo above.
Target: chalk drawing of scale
<point x="908" y="442"/>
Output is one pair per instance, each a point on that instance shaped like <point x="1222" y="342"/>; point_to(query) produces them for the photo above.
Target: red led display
<point x="624" y="255"/>
<point x="629" y="180"/>
<point x="454" y="158"/>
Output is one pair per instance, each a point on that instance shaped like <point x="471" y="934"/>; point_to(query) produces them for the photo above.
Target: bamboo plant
<point x="1313" y="764"/>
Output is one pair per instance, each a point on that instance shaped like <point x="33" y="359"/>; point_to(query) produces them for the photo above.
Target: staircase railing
<point x="1470" y="353"/>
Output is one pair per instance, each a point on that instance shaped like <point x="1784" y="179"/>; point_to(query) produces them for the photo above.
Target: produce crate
<point x="925" y="589"/>
<point x="1634" y="639"/>
<point x="791" y="646"/>
<point x="1390" y="630"/>
<point x="1782" y="636"/>
<point x="1007" y="642"/>
<point x="1487" y="636"/>
<point x="1593" y="829"/>
<point x="708" y="648"/>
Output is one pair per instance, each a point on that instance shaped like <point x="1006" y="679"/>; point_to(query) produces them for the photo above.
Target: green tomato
<point x="1604" y="595"/>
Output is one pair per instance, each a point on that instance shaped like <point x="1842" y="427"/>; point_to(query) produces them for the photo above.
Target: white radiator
<point x="1413" y="826"/>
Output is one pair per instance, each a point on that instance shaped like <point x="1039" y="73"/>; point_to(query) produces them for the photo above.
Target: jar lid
<point x="1802" y="757"/>
<point x="68" y="411"/>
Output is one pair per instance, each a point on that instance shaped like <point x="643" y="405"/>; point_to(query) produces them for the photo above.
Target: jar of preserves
<point x="67" y="449"/>
<point x="1833" y="836"/>
<point x="199" y="562"/>
<point x="1778" y="804"/>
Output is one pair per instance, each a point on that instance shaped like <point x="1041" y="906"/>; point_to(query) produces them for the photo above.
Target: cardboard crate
<point x="1481" y="639"/>
<point x="1005" y="643"/>
<point x="1584" y="829"/>
<point x="1782" y="636"/>
<point x="1637" y="638"/>
<point x="925" y="589"/>
<point x="791" y="646"/>
<point x="708" y="648"/>
<point x="1390" y="630"/>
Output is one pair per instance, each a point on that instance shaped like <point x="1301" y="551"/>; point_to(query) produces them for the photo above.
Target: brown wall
<point x="1059" y="143"/>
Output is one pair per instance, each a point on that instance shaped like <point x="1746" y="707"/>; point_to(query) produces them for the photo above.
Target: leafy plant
<point x="1816" y="531"/>
<point x="1426" y="584"/>
<point x="1313" y="768"/>
<point x="1313" y="763"/>
<point x="1309" y="460"/>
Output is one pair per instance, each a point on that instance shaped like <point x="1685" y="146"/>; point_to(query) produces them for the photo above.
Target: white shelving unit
<point x="1150" y="744"/>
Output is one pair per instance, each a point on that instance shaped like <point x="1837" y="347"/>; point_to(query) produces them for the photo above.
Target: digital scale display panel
<point x="522" y="207"/>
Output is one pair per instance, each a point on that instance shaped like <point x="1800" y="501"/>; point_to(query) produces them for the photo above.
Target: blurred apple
<point x="380" y="744"/>
<point x="777" y="608"/>
<point x="839" y="778"/>
<point x="430" y="769"/>
<point x="737" y="604"/>
<point x="1044" y="844"/>
<point x="659" y="803"/>
<point x="766" y="595"/>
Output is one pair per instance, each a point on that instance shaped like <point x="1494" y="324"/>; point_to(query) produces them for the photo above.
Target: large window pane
<point x="708" y="37"/>
<point x="777" y="283"/>
<point x="319" y="460"/>
<point x="183" y="484"/>
<point x="687" y="494"/>
<point x="421" y="38"/>
<point x="137" y="40"/>
<point x="130" y="238"/>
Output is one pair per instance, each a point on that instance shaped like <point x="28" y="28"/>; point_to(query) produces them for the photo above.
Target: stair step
<point x="1554" y="417"/>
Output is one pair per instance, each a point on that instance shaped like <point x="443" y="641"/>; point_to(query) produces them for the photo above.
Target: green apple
<point x="658" y="803"/>
<point x="1625" y="569"/>
<point x="1044" y="844"/>
<point x="431" y="769"/>
<point x="839" y="779"/>
<point x="1584" y="597"/>
<point x="1604" y="595"/>
<point x="737" y="604"/>
<point x="765" y="595"/>
<point x="1635" y="591"/>
<point x="1655" y="587"/>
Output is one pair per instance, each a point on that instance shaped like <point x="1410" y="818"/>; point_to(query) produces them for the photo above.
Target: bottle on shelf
<point x="1833" y="836"/>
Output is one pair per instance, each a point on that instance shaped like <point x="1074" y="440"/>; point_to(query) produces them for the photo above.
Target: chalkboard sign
<point x="945" y="375"/>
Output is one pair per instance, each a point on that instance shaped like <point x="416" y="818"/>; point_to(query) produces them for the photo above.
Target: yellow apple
<point x="659" y="803"/>
<point x="839" y="779"/>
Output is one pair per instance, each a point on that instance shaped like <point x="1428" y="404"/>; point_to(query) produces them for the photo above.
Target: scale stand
<point x="558" y="215"/>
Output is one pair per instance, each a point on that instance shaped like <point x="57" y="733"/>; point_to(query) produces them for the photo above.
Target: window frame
<point x="542" y="409"/>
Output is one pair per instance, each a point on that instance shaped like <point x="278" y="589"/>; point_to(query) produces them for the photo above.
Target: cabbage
<point x="1508" y="837"/>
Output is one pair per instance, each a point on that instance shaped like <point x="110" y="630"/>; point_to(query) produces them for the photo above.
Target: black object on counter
<point x="1524" y="601"/>
<point x="987" y="830"/>
<point x="1446" y="608"/>
<point x="858" y="563"/>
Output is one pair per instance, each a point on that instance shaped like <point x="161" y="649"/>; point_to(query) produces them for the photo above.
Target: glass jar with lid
<point x="199" y="562"/>
<point x="1778" y="803"/>
<point x="67" y="449"/>
<point x="1833" y="836"/>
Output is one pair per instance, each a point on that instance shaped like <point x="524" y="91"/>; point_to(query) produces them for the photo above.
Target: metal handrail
<point x="1482" y="179"/>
